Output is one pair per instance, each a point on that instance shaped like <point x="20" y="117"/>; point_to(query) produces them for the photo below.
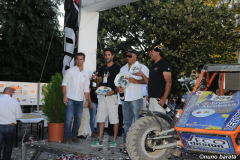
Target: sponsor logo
<point x="1" y="85"/>
<point x="221" y="98"/>
<point x="199" y="93"/>
<point x="32" y="91"/>
<point x="18" y="99"/>
<point x="207" y="142"/>
<point x="234" y="121"/>
<point x="206" y="103"/>
<point x="218" y="104"/>
<point x="203" y="112"/>
<point x="155" y="68"/>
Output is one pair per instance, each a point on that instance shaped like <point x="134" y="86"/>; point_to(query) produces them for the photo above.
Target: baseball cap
<point x="131" y="51"/>
<point x="155" y="47"/>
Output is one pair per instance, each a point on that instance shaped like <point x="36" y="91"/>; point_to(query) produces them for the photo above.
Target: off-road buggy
<point x="209" y="122"/>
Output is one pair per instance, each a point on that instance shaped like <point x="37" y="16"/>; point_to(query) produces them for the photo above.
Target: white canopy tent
<point x="101" y="5"/>
<point x="88" y="25"/>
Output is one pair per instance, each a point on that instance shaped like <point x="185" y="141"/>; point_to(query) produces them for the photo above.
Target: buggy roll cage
<point x="216" y="68"/>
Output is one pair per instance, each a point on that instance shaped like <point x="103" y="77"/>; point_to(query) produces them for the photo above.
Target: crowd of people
<point x="151" y="85"/>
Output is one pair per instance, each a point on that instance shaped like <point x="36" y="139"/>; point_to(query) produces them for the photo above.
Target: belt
<point x="111" y="95"/>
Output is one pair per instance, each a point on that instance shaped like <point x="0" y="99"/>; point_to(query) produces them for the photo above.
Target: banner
<point x="24" y="92"/>
<point x="71" y="27"/>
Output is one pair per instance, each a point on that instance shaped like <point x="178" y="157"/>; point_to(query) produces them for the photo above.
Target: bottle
<point x="166" y="107"/>
<point x="122" y="96"/>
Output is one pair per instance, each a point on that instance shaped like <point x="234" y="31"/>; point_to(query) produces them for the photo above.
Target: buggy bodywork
<point x="210" y="122"/>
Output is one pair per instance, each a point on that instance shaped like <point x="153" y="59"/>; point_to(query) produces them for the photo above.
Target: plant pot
<point x="55" y="131"/>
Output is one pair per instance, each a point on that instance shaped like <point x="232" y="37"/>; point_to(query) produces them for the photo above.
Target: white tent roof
<point x="101" y="5"/>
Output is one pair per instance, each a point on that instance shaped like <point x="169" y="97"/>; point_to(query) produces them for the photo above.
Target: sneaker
<point x="68" y="141"/>
<point x="97" y="143"/>
<point x="76" y="140"/>
<point x="113" y="144"/>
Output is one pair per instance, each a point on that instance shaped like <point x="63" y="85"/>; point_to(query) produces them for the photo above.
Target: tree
<point x="192" y="34"/>
<point x="233" y="7"/>
<point x="26" y="30"/>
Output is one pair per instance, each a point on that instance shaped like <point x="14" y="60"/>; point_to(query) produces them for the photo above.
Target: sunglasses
<point x="129" y="56"/>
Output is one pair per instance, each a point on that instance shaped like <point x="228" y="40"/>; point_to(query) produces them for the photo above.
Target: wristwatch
<point x="87" y="99"/>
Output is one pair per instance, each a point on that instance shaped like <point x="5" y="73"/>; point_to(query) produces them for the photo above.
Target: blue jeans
<point x="93" y="114"/>
<point x="7" y="133"/>
<point x="130" y="110"/>
<point x="73" y="108"/>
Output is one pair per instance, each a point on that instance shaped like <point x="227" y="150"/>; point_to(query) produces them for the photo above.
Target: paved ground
<point x="81" y="151"/>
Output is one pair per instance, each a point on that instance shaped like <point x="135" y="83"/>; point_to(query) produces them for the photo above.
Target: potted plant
<point x="54" y="108"/>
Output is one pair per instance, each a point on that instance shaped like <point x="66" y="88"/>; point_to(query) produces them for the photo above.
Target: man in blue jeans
<point x="74" y="86"/>
<point x="132" y="103"/>
<point x="93" y="104"/>
<point x="10" y="110"/>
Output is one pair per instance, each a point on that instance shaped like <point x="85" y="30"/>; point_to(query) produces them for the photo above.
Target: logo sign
<point x="199" y="93"/>
<point x="221" y="98"/>
<point x="18" y="99"/>
<point x="1" y="85"/>
<point x="207" y="142"/>
<point x="203" y="112"/>
<point x="24" y="100"/>
<point x="234" y="121"/>
<point x="32" y="91"/>
<point x="218" y="104"/>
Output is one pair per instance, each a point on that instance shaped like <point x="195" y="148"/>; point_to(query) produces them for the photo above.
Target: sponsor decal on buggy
<point x="199" y="93"/>
<point x="233" y="120"/>
<point x="218" y="104"/>
<point x="221" y="98"/>
<point x="208" y="111"/>
<point x="203" y="112"/>
<point x="207" y="143"/>
<point x="187" y="110"/>
<point x="213" y="114"/>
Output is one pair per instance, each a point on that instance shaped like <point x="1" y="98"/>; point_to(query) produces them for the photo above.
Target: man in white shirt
<point x="10" y="110"/>
<point x="132" y="103"/>
<point x="74" y="86"/>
